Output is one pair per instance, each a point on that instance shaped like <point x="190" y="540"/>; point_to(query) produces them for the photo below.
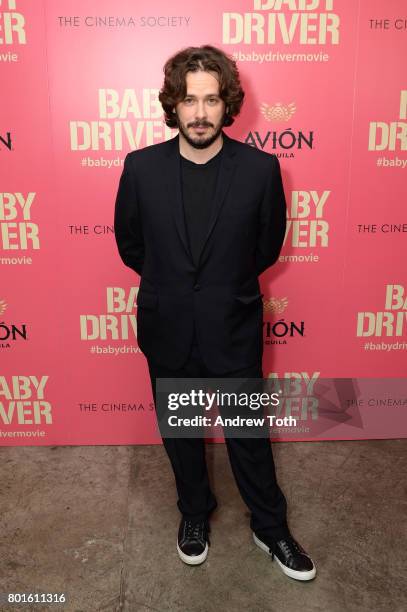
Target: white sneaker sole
<point x="286" y="570"/>
<point x="195" y="559"/>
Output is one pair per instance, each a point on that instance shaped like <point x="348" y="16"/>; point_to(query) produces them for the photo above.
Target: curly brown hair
<point x="192" y="59"/>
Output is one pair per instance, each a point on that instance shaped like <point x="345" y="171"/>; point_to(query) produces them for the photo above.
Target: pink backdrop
<point x="326" y="91"/>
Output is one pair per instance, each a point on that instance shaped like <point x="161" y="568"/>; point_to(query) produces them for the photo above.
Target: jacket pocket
<point x="147" y="300"/>
<point x="248" y="299"/>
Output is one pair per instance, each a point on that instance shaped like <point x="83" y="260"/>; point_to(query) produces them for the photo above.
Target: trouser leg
<point x="187" y="455"/>
<point x="252" y="464"/>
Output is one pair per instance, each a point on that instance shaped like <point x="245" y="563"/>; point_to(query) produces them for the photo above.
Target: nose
<point x="201" y="110"/>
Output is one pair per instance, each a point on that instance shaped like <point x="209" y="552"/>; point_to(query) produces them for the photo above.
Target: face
<point x="201" y="113"/>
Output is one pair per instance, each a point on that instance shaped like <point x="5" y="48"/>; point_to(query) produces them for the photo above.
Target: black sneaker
<point x="290" y="556"/>
<point x="193" y="541"/>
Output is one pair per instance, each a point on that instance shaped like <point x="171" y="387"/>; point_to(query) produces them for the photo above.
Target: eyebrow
<point x="207" y="96"/>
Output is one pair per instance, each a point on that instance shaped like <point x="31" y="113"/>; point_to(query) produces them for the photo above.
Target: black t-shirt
<point x="198" y="190"/>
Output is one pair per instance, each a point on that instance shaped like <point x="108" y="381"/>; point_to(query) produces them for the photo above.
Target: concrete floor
<point x="100" y="523"/>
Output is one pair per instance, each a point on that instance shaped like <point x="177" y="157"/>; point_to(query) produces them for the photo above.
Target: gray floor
<point x="100" y="522"/>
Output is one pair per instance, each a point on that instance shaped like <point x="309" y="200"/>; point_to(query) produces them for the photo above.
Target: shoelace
<point x="195" y="531"/>
<point x="290" y="547"/>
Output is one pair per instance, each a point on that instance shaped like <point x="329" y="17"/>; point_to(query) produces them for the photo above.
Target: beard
<point x="200" y="141"/>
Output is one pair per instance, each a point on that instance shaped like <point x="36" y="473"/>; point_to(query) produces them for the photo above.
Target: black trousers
<point x="251" y="460"/>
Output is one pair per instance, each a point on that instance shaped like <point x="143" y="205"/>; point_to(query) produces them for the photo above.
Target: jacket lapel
<point x="226" y="169"/>
<point x="174" y="185"/>
<point x="173" y="180"/>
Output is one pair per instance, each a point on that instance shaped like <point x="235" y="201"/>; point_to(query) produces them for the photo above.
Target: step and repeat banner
<point x="326" y="91"/>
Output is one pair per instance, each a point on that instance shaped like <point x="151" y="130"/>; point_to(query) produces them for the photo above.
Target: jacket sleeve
<point x="272" y="220"/>
<point x="127" y="221"/>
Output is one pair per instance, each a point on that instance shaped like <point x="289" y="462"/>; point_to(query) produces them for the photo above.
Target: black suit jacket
<point x="222" y="294"/>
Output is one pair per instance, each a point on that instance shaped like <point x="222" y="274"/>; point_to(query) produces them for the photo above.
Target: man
<point x="199" y="218"/>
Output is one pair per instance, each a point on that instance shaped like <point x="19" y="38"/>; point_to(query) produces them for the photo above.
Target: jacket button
<point x="197" y="287"/>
